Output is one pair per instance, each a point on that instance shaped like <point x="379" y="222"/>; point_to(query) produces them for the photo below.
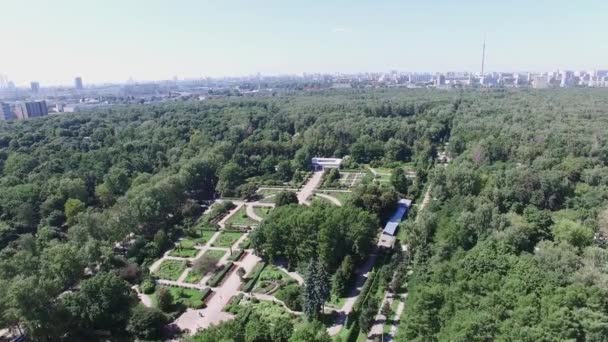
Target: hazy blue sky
<point x="111" y="40"/>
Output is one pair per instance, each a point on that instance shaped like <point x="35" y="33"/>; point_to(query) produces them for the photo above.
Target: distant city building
<point x="35" y="87"/>
<point x="6" y="111"/>
<point x="540" y="82"/>
<point x="440" y="80"/>
<point x="31" y="109"/>
<point x="78" y="83"/>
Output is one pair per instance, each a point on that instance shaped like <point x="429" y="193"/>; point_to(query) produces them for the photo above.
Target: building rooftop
<point x="402" y="208"/>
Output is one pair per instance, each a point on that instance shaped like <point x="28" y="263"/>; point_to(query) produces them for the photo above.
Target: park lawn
<point x="184" y="252"/>
<point x="227" y="239"/>
<point x="201" y="238"/>
<point x="170" y="269"/>
<point x="343" y="197"/>
<point x="191" y="298"/>
<point x="204" y="236"/>
<point x="215" y="254"/>
<point x="262" y="212"/>
<point x="322" y="199"/>
<point x="193" y="277"/>
<point x="240" y="218"/>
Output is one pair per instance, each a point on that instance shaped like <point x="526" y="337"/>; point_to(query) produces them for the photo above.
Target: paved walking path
<point x="192" y="319"/>
<point x="378" y="328"/>
<point x="293" y="275"/>
<point x="310" y="186"/>
<point x="225" y="219"/>
<point x="396" y="319"/>
<point x="361" y="276"/>
<point x="144" y="298"/>
<point x="330" y="198"/>
<point x="251" y="212"/>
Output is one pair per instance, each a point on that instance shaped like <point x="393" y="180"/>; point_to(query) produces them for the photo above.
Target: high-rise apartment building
<point x="31" y="109"/>
<point x="6" y="111"/>
<point x="35" y="87"/>
<point x="78" y="83"/>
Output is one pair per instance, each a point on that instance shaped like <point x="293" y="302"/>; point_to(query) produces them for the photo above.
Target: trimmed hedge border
<point x="219" y="277"/>
<point x="206" y="292"/>
<point x="248" y="286"/>
<point x="236" y="256"/>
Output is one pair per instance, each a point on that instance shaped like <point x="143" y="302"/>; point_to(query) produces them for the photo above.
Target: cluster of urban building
<point x="559" y="78"/>
<point x="34" y="101"/>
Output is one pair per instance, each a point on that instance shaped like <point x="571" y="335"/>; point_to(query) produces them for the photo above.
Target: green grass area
<point x="245" y="243"/>
<point x="262" y="212"/>
<point x="227" y="239"/>
<point x="200" y="237"/>
<point x="191" y="298"/>
<point x="383" y="170"/>
<point x="337" y="302"/>
<point x="267" y="195"/>
<point x="343" y="197"/>
<point x="240" y="218"/>
<point x="194" y="277"/>
<point x="215" y="254"/>
<point x="170" y="269"/>
<point x="184" y="252"/>
<point x="271" y="278"/>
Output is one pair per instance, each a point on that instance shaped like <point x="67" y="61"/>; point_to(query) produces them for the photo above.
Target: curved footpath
<point x="330" y="198"/>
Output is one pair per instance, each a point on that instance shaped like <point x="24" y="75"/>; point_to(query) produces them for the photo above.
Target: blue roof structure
<point x="402" y="208"/>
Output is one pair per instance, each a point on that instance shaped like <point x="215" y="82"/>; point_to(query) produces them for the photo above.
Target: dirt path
<point x="310" y="186"/>
<point x="251" y="213"/>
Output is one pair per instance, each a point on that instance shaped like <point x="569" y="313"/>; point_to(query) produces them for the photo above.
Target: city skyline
<point x="156" y="40"/>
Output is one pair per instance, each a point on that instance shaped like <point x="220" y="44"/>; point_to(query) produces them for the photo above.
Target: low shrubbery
<point x="250" y="280"/>
<point x="291" y="295"/>
<point x="220" y="275"/>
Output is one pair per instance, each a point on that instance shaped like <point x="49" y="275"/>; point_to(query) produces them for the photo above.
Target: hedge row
<point x="254" y="275"/>
<point x="219" y="276"/>
<point x="237" y="255"/>
<point x="206" y="292"/>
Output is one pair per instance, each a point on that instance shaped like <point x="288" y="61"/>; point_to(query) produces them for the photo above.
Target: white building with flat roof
<point x="319" y="164"/>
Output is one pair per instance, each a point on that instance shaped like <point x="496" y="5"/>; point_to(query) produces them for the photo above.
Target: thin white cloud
<point x="341" y="30"/>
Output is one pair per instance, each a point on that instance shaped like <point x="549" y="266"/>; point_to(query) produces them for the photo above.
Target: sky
<point x="53" y="41"/>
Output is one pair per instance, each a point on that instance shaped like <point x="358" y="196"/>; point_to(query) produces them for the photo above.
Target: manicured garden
<point x="184" y="249"/>
<point x="227" y="239"/>
<point x="341" y="196"/>
<point x="190" y="298"/>
<point x="170" y="269"/>
<point x="240" y="218"/>
<point x="207" y="263"/>
<point x="262" y="212"/>
<point x="270" y="279"/>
